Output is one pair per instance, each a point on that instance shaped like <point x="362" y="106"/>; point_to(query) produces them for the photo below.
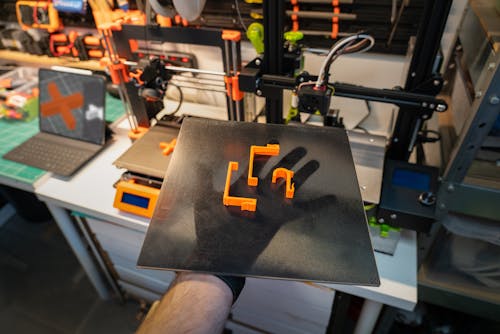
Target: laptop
<point x="71" y="121"/>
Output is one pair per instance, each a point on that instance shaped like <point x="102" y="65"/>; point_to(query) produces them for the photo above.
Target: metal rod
<point x="198" y="81"/>
<point x="396" y="23"/>
<point x="228" y="74"/>
<point x="194" y="70"/>
<point x="414" y="135"/>
<point x="122" y="90"/>
<point x="199" y="88"/>
<point x="235" y="71"/>
<point x="79" y="247"/>
<point x="394" y="6"/>
<point x="97" y="250"/>
<point x="323" y="33"/>
<point x="321" y="15"/>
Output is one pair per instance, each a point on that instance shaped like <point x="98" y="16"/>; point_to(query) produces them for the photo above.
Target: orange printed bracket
<point x="168" y="147"/>
<point x="287" y="175"/>
<point x="270" y="149"/>
<point x="246" y="204"/>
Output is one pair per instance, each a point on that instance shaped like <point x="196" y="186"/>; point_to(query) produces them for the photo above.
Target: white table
<point x="91" y="192"/>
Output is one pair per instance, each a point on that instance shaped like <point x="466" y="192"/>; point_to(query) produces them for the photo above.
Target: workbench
<point x="90" y="192"/>
<point x="270" y="305"/>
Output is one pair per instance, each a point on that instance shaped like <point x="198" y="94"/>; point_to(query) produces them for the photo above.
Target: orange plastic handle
<point x="248" y="204"/>
<point x="287" y="175"/>
<point x="270" y="149"/>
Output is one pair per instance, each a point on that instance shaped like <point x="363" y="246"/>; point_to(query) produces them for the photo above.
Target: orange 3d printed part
<point x="287" y="175"/>
<point x="270" y="149"/>
<point x="136" y="198"/>
<point x="248" y="204"/>
<point x="168" y="147"/>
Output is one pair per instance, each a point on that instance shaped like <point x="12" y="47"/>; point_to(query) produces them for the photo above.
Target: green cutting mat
<point x="114" y="108"/>
<point x="13" y="133"/>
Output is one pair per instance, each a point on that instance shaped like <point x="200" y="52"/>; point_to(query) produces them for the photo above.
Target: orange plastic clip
<point x="270" y="149"/>
<point x="137" y="76"/>
<point x="248" y="204"/>
<point x="233" y="88"/>
<point x="287" y="175"/>
<point x="231" y="35"/>
<point x="137" y="133"/>
<point x="164" y="21"/>
<point x="117" y="71"/>
<point x="168" y="147"/>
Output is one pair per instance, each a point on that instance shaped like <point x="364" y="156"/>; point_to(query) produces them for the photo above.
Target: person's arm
<point x="195" y="303"/>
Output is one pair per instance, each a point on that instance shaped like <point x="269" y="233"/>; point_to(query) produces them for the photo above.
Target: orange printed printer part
<point x="38" y="14"/>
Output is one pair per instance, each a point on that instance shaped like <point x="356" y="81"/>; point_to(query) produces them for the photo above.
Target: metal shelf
<point x="25" y="59"/>
<point x="440" y="283"/>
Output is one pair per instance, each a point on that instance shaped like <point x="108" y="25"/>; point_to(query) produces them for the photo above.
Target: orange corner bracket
<point x="287" y="175"/>
<point x="248" y="204"/>
<point x="270" y="149"/>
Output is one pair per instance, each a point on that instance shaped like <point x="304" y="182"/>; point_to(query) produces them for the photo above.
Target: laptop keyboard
<point x="50" y="156"/>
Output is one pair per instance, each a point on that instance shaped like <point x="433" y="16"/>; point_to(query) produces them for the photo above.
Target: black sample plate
<point x="319" y="235"/>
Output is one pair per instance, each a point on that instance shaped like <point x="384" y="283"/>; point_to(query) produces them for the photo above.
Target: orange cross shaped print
<point x="61" y="105"/>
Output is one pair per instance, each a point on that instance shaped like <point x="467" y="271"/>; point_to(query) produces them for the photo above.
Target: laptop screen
<point x="72" y="105"/>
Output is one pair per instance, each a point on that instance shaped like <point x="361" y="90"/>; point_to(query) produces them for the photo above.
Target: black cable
<point x="362" y="129"/>
<point x="239" y="15"/>
<point x="181" y="99"/>
<point x="425" y="139"/>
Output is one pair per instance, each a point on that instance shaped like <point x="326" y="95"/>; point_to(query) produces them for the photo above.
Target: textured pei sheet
<point x="319" y="235"/>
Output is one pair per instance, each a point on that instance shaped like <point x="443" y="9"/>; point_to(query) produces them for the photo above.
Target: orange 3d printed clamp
<point x="168" y="147"/>
<point x="270" y="149"/>
<point x="287" y="175"/>
<point x="248" y="204"/>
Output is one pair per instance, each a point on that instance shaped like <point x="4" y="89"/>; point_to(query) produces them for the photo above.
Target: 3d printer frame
<point x="228" y="41"/>
<point x="423" y="77"/>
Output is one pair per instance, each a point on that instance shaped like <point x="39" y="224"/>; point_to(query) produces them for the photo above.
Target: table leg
<point x="368" y="317"/>
<point x="65" y="223"/>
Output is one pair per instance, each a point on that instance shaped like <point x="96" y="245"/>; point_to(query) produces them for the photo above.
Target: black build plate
<point x="319" y="235"/>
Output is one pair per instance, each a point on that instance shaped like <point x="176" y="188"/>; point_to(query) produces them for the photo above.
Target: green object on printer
<point x="384" y="228"/>
<point x="255" y="35"/>
<point x="293" y="36"/>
